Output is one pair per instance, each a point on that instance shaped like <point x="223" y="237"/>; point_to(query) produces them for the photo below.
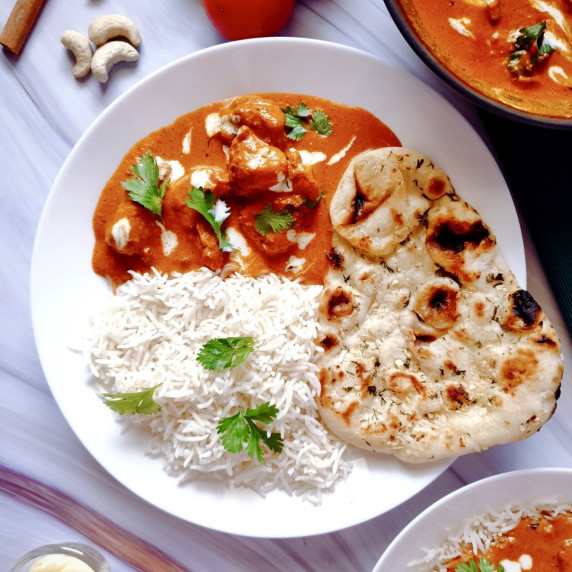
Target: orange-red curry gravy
<point x="239" y="150"/>
<point x="545" y="543"/>
<point x="475" y="40"/>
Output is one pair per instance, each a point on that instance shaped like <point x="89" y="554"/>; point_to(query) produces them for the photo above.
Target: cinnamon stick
<point x="20" y="24"/>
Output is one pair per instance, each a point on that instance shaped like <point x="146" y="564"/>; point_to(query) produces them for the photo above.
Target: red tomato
<point x="239" y="19"/>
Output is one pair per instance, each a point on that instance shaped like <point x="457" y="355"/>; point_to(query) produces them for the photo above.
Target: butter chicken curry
<point x="242" y="184"/>
<point x="517" y="52"/>
<point x="541" y="543"/>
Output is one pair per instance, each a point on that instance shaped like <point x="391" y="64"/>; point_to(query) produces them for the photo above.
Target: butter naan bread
<point x="432" y="349"/>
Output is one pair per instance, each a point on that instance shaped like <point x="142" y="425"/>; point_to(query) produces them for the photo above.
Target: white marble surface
<point x="43" y="112"/>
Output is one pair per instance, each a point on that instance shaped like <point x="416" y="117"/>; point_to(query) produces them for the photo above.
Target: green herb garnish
<point x="215" y="212"/>
<point x="273" y="221"/>
<point x="225" y="353"/>
<point x="299" y="119"/>
<point x="312" y="204"/>
<point x="321" y="123"/>
<point x="138" y="402"/>
<point x="144" y="187"/>
<point x="533" y="33"/>
<point x="529" y="49"/>
<point x="241" y="429"/>
<point x="483" y="566"/>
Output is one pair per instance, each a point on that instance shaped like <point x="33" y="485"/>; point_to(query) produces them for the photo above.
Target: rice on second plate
<point x="151" y="332"/>
<point x="478" y="532"/>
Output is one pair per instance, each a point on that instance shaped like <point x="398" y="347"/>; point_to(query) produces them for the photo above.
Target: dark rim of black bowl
<point x="472" y="95"/>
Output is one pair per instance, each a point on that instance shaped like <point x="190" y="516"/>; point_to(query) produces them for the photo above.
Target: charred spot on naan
<point x="337" y="303"/>
<point x="479" y="308"/>
<point x="437" y="187"/>
<point x="523" y="312"/>
<point x="456" y="236"/>
<point x="374" y="183"/>
<point x="457" y="396"/>
<point x="546" y="342"/>
<point x="456" y="239"/>
<point x="517" y="369"/>
<point x="362" y="204"/>
<point x="424" y="337"/>
<point x="328" y="342"/>
<point x="335" y="258"/>
<point x="328" y="378"/>
<point x="436" y="303"/>
<point x="405" y="384"/>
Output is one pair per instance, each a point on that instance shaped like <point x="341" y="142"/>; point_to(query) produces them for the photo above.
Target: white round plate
<point x="429" y="529"/>
<point x="63" y="285"/>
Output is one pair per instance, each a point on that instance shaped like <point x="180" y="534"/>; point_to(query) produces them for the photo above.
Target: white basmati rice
<point x="151" y="333"/>
<point x="478" y="532"/>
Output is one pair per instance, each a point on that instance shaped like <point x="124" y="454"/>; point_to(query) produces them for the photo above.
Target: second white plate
<point x="431" y="527"/>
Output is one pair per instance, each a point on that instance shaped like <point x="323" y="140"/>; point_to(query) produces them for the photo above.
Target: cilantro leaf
<point x="264" y="413"/>
<point x="530" y="49"/>
<point x="470" y="566"/>
<point x="270" y="221"/>
<point x="299" y="119"/>
<point x="241" y="429"/>
<point x="144" y="187"/>
<point x="138" y="402"/>
<point x="531" y="34"/>
<point x="294" y="122"/>
<point x="545" y="49"/>
<point x="253" y="445"/>
<point x="486" y="566"/>
<point x="312" y="204"/>
<point x="215" y="213"/>
<point x="483" y="566"/>
<point x="528" y="35"/>
<point x="302" y="111"/>
<point x="321" y="123"/>
<point x="225" y="353"/>
<point x="234" y="432"/>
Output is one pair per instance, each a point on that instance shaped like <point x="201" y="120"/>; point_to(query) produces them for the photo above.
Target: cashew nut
<point x="105" y="28"/>
<point x="108" y="55"/>
<point x="81" y="49"/>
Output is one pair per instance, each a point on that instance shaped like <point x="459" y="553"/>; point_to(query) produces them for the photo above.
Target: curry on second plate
<point x="517" y="52"/>
<point x="517" y="536"/>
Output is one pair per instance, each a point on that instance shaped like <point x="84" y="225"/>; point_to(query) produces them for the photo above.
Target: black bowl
<point x="423" y="45"/>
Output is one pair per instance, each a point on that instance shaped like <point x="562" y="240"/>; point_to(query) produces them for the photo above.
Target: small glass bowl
<point x="81" y="552"/>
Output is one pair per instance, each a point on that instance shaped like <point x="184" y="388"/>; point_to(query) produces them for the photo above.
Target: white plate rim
<point x="44" y="288"/>
<point x="468" y="501"/>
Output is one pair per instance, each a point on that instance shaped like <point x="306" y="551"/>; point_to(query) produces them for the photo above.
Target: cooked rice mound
<point x="151" y="332"/>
